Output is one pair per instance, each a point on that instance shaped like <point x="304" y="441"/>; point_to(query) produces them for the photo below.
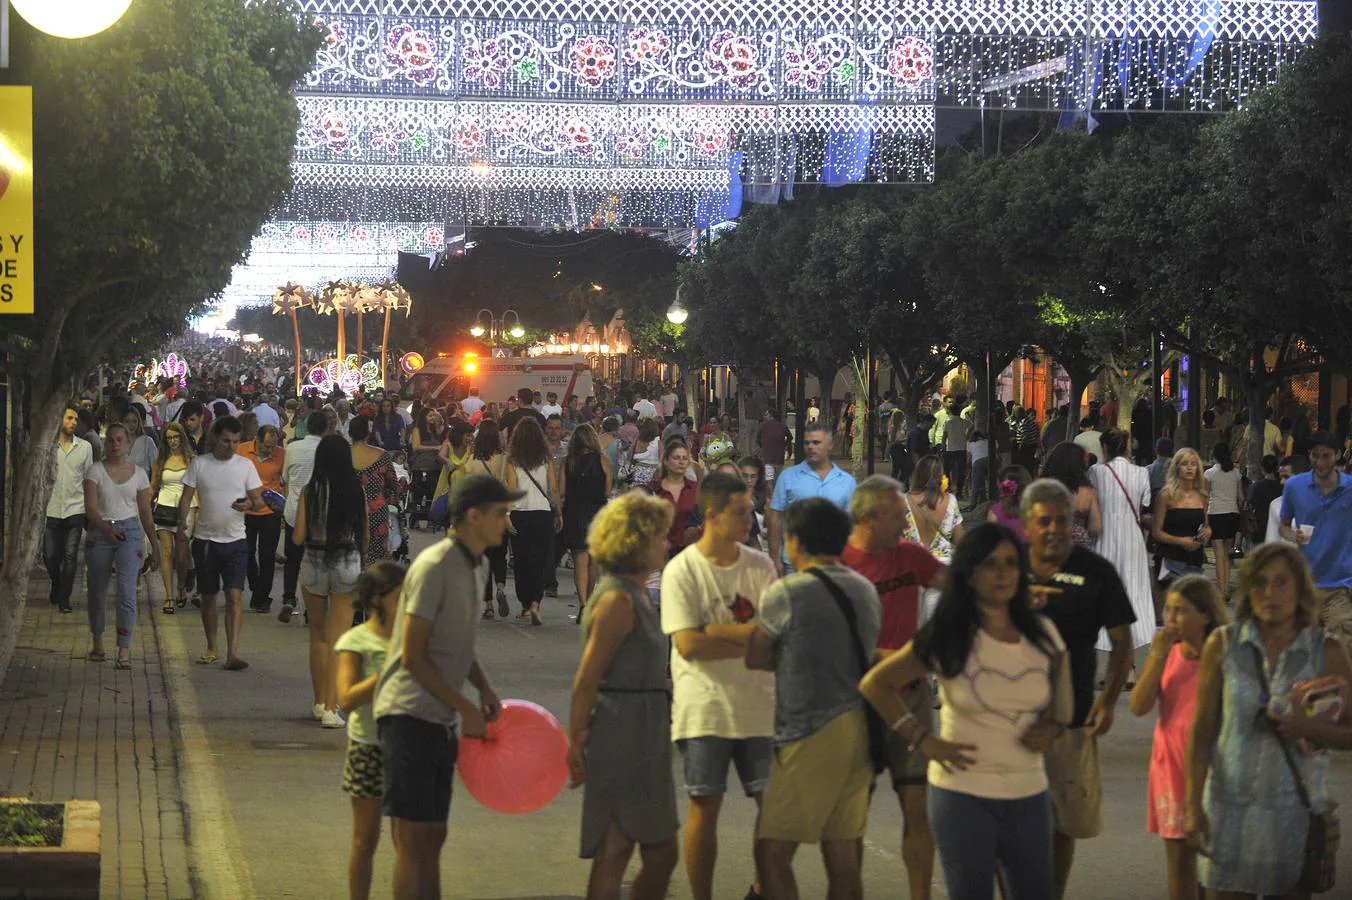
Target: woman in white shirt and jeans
<point x="1004" y="681"/>
<point x="117" y="504"/>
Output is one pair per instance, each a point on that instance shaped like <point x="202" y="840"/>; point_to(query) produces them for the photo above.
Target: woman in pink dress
<point x="1192" y="608"/>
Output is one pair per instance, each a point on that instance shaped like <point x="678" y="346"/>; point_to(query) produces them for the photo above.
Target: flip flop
<point x="123" y="663"/>
<point x="207" y="659"/>
<point x="96" y="656"/>
<point x="168" y="609"/>
<point x="236" y="665"/>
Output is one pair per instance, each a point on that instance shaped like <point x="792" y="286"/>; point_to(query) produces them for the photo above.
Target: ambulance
<point x="451" y="377"/>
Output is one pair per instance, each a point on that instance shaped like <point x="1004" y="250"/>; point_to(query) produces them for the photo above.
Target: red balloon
<point x="522" y="764"/>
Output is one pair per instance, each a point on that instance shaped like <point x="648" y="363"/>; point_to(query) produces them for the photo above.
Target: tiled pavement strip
<point x="72" y="729"/>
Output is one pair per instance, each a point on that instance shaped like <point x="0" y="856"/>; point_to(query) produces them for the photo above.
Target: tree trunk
<point x="859" y="428"/>
<point x="32" y="487"/>
<point x="1078" y="382"/>
<point x="743" y="429"/>
<point x="688" y="380"/>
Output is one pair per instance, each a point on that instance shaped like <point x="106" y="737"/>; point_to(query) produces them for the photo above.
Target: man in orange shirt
<point x="263" y="527"/>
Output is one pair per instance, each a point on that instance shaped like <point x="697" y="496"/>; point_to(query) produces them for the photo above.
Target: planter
<point x="69" y="871"/>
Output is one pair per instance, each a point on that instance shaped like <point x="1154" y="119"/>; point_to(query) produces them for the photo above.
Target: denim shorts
<point x="322" y="579"/>
<point x="220" y="565"/>
<point x="706" y="759"/>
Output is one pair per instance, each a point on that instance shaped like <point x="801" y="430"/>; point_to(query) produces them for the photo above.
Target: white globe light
<point x="71" y="18"/>
<point x="517" y="331"/>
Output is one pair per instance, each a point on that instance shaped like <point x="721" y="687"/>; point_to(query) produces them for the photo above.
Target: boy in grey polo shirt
<point x="418" y="696"/>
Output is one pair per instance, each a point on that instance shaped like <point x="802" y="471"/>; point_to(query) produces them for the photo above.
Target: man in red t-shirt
<point x="898" y="569"/>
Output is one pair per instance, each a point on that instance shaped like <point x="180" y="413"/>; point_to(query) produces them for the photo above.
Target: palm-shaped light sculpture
<point x="289" y="298"/>
<point x="393" y="297"/>
<point x="338" y="297"/>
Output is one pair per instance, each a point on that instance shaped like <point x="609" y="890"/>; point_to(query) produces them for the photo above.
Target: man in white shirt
<point x="1091" y="439"/>
<point x="473" y="403"/>
<point x="551" y="406"/>
<point x="722" y="712"/>
<point x="955" y="431"/>
<point x="227" y="486"/>
<point x="668" y="400"/>
<point x="66" y="510"/>
<point x="645" y="409"/>
<point x="296" y="471"/>
<point x="266" y="414"/>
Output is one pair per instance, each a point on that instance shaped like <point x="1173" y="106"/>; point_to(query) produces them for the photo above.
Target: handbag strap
<point x="1130" y="503"/>
<point x="846" y="610"/>
<point x="1286" y="750"/>
<point x="540" y="489"/>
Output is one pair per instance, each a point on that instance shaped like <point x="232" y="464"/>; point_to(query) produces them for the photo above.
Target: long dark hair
<point x="945" y="641"/>
<point x="929" y="478"/>
<point x="488" y="442"/>
<point x="1221" y="454"/>
<point x="334" y="492"/>
<point x="581" y="447"/>
<point x="527" y="448"/>
<point x="378" y="580"/>
<point x="1065" y="463"/>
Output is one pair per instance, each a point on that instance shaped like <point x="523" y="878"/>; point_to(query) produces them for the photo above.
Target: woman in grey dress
<point x="620" y="726"/>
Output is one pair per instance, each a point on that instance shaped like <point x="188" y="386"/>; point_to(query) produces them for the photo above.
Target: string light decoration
<point x="172" y="366"/>
<point x="642" y="113"/>
<point x="289" y="299"/>
<point x="411" y="362"/>
<point x="346" y="375"/>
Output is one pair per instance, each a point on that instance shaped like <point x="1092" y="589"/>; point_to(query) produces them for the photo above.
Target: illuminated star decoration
<point x="291" y="296"/>
<point x="395" y="296"/>
<point x="336" y="296"/>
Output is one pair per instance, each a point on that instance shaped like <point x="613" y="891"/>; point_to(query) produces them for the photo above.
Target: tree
<point x="161" y="147"/>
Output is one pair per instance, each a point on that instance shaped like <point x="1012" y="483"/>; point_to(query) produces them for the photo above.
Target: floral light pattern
<point x="593" y="60"/>
<point x="412" y="51"/>
<point x="734" y="57"/>
<point x="485" y="61"/>
<point x="912" y="61"/>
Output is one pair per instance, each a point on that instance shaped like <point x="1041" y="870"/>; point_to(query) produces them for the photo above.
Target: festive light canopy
<point x="642" y="113"/>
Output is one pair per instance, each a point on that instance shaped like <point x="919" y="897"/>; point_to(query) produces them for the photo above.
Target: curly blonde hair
<point x="1307" y="596"/>
<point x="1174" y="487"/>
<point x="619" y="536"/>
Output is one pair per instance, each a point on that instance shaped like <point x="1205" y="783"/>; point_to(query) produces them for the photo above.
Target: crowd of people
<point x="778" y="618"/>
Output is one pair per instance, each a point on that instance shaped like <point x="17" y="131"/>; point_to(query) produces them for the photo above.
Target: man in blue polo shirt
<point x="1317" y="515"/>
<point x="815" y="476"/>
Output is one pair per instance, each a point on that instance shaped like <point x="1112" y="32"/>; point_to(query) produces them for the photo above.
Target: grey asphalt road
<point x="278" y="775"/>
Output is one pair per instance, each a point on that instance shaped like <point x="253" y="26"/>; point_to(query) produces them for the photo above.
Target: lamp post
<point x="499" y="327"/>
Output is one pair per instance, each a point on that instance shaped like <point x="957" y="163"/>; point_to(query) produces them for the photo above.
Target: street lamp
<point x="498" y="327"/>
<point x="676" y="313"/>
<point x="71" y="18"/>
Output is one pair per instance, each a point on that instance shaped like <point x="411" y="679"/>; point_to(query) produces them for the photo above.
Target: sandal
<point x="488" y="611"/>
<point x="168" y="608"/>
<point x="123" y="662"/>
<point x="208" y="659"/>
<point x="535" y="617"/>
<point x="182" y="601"/>
<point x="236" y="665"/>
<point x="503" y="609"/>
<point x="96" y="656"/>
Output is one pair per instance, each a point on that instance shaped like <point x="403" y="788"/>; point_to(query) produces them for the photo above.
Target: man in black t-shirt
<point x="1261" y="494"/>
<point x="524" y="410"/>
<point x="1082" y="594"/>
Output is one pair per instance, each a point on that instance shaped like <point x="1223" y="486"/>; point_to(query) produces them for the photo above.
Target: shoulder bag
<point x="161" y="515"/>
<point x="877" y="729"/>
<point x="1320" y="872"/>
<point x="552" y="507"/>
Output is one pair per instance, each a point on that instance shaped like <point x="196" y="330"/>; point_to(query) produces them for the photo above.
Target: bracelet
<point x="909" y="717"/>
<point x="912" y="746"/>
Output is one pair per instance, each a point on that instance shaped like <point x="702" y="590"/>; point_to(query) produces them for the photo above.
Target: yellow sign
<point x="16" y="200"/>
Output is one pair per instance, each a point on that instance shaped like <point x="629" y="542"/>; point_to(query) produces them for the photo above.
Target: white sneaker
<point x="331" y="719"/>
<point x="318" y="712"/>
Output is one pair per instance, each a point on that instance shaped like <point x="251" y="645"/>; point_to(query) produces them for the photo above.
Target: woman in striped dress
<point x="1123" y="490"/>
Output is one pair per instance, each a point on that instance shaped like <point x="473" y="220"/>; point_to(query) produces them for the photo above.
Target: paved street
<point x="266" y="817"/>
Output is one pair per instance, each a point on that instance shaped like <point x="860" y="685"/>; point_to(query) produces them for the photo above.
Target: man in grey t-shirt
<point x="419" y="693"/>
<point x="820" y="780"/>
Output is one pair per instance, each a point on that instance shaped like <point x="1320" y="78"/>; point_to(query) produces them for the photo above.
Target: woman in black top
<point x="586" y="485"/>
<point x="389" y="427"/>
<point x="1180" y="523"/>
<point x="424" y="463"/>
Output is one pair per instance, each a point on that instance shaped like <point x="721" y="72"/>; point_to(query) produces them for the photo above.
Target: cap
<point x="1323" y="439"/>
<point x="479" y="490"/>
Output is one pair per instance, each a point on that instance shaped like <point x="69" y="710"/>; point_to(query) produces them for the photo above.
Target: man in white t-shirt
<point x="473" y="403"/>
<point x="722" y="712"/>
<point x="668" y="401"/>
<point x="645" y="409"/>
<point x="955" y="431"/>
<point x="226" y="486"/>
<point x="551" y="406"/>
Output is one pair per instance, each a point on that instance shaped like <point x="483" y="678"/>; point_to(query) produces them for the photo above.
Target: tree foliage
<point x="161" y="147"/>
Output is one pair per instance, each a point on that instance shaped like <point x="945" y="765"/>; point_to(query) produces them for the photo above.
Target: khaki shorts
<point x="819" y="786"/>
<point x="907" y="767"/>
<point x="1074" y="784"/>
